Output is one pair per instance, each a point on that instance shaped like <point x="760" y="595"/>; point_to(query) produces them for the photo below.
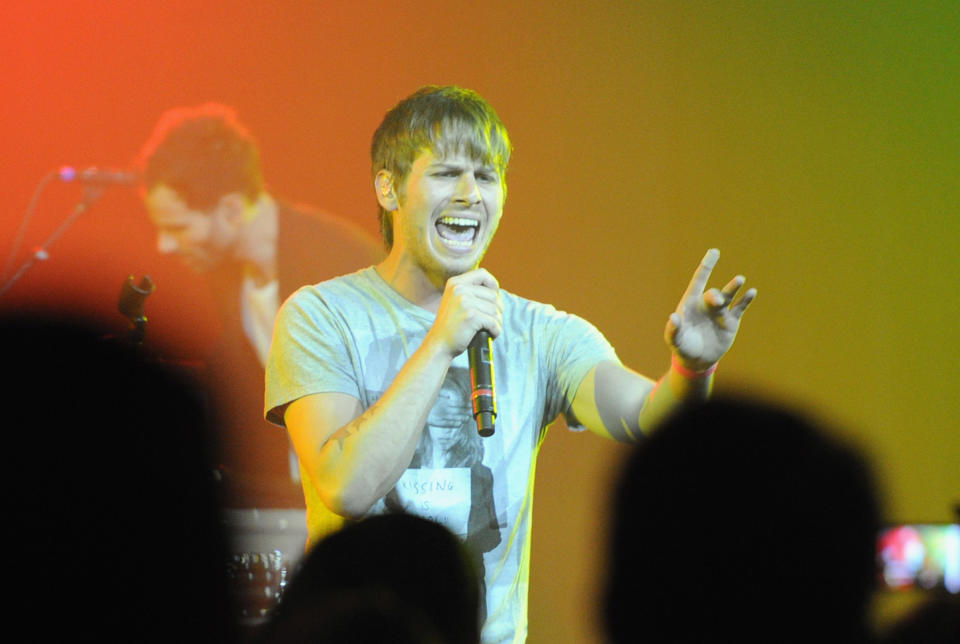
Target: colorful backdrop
<point x="815" y="143"/>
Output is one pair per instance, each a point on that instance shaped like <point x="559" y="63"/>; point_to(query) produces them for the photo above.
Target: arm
<point x="619" y="403"/>
<point x="355" y="457"/>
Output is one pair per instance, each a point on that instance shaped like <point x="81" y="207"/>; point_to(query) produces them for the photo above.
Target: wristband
<point x="690" y="374"/>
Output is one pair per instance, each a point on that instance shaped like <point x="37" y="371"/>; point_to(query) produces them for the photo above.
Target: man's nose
<point x="468" y="192"/>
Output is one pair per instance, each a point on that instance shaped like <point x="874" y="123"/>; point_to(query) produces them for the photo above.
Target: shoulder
<point x="313" y="246"/>
<point x="326" y="309"/>
<point x="532" y="310"/>
<point x="548" y="326"/>
<point x="297" y="220"/>
<point x="341" y="288"/>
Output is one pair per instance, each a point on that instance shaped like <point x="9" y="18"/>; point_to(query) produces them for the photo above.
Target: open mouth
<point x="457" y="232"/>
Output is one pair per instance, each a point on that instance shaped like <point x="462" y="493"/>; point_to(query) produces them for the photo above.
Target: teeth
<point x="458" y="221"/>
<point x="458" y="233"/>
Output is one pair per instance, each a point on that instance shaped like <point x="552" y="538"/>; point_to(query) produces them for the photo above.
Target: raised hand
<point x="703" y="327"/>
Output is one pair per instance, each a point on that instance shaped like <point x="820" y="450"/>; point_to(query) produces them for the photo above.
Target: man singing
<point x="362" y="365"/>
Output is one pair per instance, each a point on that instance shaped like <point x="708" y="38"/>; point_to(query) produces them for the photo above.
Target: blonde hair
<point x="440" y="119"/>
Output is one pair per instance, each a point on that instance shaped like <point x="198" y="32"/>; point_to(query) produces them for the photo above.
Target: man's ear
<point x="386" y="195"/>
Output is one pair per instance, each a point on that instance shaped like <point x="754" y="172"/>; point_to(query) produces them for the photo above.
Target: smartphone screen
<point x="919" y="556"/>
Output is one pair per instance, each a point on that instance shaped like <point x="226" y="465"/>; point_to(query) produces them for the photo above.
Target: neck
<point x="407" y="279"/>
<point x="257" y="250"/>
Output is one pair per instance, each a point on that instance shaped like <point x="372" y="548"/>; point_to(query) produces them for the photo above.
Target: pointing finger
<point x="702" y="274"/>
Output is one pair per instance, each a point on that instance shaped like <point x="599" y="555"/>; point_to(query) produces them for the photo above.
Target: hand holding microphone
<point x="469" y="317"/>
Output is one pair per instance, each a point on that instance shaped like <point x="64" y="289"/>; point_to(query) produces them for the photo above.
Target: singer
<point x="365" y="368"/>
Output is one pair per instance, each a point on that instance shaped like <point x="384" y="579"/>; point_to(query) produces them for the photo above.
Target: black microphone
<point x="484" y="398"/>
<point x="99" y="177"/>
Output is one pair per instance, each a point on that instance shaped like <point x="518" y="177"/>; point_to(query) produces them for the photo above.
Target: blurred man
<point x="359" y="363"/>
<point x="205" y="192"/>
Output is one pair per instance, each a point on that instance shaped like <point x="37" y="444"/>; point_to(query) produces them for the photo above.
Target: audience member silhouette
<point x="115" y="532"/>
<point x="354" y="617"/>
<point x="395" y="572"/>
<point x="740" y="521"/>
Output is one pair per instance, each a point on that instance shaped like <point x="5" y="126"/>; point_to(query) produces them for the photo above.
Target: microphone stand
<point x="90" y="195"/>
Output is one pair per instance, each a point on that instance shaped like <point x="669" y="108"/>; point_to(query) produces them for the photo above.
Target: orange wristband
<point x="690" y="373"/>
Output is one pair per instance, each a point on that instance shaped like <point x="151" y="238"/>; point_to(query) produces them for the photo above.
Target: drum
<point x="266" y="548"/>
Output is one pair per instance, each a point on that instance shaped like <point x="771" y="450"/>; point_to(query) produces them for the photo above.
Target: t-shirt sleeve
<point x="308" y="354"/>
<point x="574" y="348"/>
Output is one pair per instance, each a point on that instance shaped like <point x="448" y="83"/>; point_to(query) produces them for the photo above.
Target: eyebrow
<point x="452" y="165"/>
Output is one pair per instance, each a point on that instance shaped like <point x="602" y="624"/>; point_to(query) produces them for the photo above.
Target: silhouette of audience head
<point x="740" y="521"/>
<point x="398" y="573"/>
<point x="354" y="617"/>
<point x="115" y="515"/>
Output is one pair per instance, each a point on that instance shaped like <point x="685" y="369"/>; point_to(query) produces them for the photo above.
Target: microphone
<point x="96" y="176"/>
<point x="480" y="352"/>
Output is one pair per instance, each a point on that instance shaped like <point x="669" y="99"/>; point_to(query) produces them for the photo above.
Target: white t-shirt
<point x="353" y="334"/>
<point x="258" y="307"/>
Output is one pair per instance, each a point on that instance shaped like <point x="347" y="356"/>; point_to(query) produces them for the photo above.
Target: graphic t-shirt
<point x="353" y="334"/>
